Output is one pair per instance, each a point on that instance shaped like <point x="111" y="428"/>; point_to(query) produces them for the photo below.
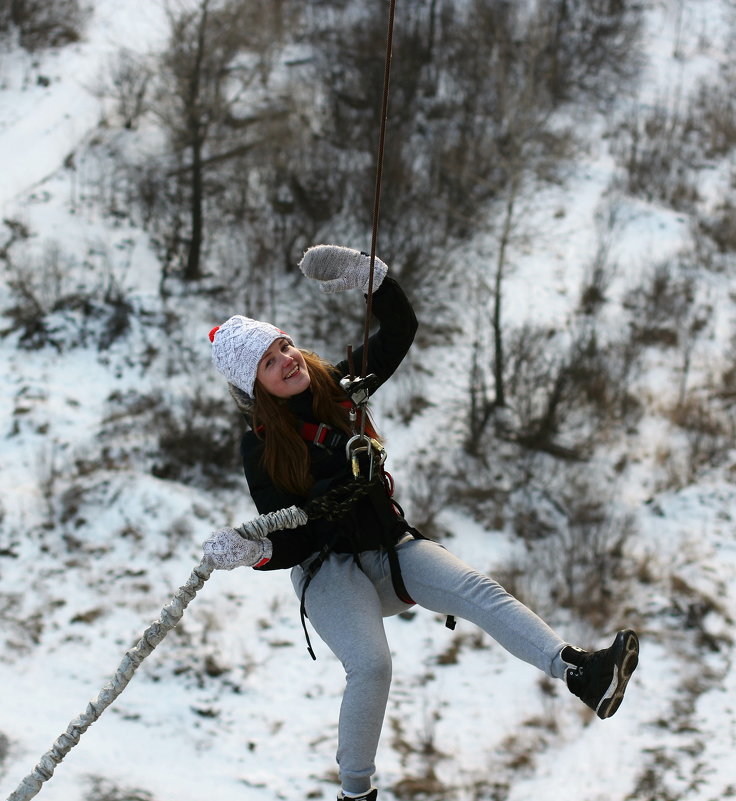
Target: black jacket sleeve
<point x="398" y="325"/>
<point x="290" y="546"/>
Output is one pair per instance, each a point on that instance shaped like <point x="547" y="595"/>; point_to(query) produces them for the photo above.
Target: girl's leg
<point x="344" y="609"/>
<point x="439" y="581"/>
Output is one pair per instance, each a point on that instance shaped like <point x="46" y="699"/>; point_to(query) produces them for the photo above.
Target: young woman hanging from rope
<point x="358" y="560"/>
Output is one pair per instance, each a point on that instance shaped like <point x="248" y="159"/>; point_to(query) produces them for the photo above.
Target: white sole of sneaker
<point x="627" y="658"/>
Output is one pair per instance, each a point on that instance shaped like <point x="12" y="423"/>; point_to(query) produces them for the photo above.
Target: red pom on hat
<point x="213" y="332"/>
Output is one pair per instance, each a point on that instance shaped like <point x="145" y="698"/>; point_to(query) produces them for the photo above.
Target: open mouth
<point x="294" y="371"/>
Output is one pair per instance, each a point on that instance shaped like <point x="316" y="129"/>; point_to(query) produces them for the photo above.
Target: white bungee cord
<point x="171" y="614"/>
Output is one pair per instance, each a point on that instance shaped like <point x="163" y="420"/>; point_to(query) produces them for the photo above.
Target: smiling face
<point x="282" y="370"/>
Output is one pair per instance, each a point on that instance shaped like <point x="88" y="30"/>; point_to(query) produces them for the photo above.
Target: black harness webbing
<point x="393" y="525"/>
<point x="314" y="566"/>
<point x="390" y="545"/>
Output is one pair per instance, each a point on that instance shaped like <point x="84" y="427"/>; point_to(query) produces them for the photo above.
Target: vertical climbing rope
<point x="379" y="174"/>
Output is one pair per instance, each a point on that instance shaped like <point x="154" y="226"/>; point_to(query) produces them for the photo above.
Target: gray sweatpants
<point x="345" y="604"/>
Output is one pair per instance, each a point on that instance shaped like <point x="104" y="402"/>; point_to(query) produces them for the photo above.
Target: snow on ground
<point x="252" y="716"/>
<point x="56" y="112"/>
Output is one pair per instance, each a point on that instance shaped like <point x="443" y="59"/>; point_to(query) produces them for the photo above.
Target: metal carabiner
<point x="372" y="447"/>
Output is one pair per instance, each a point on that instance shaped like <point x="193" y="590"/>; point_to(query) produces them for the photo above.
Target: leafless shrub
<point x="483" y="486"/>
<point x="697" y="413"/>
<point x="652" y="781"/>
<point x="562" y="394"/>
<point x="593" y="48"/>
<point x="522" y="748"/>
<point x="4" y="749"/>
<point x="25" y="629"/>
<point x="693" y="606"/>
<point x="577" y="559"/>
<point x="720" y="226"/>
<point x="709" y="437"/>
<point x="17" y="231"/>
<point x="533" y="368"/>
<point x="197" y="439"/>
<point x="64" y="303"/>
<point x="421" y="749"/>
<point x="658" y="152"/>
<point x="127" y="85"/>
<point x="158" y="204"/>
<point x="713" y="115"/>
<point x="7" y="540"/>
<point x="62" y="478"/>
<point x="726" y="388"/>
<point x="41" y="284"/>
<point x="662" y="149"/>
<point x="427" y="495"/>
<point x="600" y="270"/>
<point x="597" y="280"/>
<point x="590" y="563"/>
<point x="193" y="438"/>
<point x="660" y="304"/>
<point x="451" y="654"/>
<point x="45" y="23"/>
<point x="50" y="473"/>
<point x="101" y="789"/>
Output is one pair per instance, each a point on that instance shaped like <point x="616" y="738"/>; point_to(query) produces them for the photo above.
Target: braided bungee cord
<point x="260" y="527"/>
<point x="170" y="615"/>
<point x="338" y="502"/>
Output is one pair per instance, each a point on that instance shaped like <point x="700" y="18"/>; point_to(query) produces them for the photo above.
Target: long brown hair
<point x="285" y="455"/>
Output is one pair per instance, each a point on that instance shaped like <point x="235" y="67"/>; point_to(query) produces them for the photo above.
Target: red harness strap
<point x="321" y="434"/>
<point x="327" y="437"/>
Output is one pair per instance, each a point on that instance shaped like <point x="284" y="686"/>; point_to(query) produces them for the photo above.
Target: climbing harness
<point x="338" y="504"/>
<point x="362" y="451"/>
<point x="170" y="615"/>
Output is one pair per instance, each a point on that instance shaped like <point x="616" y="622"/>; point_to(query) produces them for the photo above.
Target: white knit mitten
<point x="339" y="268"/>
<point x="227" y="548"/>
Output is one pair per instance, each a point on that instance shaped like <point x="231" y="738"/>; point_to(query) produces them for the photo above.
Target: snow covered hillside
<point x="97" y="529"/>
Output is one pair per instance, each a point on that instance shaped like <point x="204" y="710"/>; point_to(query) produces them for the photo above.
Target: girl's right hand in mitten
<point x="227" y="548"/>
<point x="338" y="268"/>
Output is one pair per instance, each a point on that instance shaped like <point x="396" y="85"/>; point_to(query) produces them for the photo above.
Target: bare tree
<point x="128" y="86"/>
<point x="503" y="243"/>
<point x="527" y="148"/>
<point x="216" y="52"/>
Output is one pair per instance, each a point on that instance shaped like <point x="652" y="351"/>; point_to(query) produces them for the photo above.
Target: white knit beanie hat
<point x="238" y="346"/>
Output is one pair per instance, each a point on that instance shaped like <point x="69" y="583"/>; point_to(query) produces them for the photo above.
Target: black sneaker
<point x="599" y="679"/>
<point x="371" y="795"/>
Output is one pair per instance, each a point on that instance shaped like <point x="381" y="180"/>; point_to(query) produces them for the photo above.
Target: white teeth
<point x="292" y="372"/>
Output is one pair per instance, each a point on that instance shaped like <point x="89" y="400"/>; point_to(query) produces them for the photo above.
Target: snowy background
<point x="230" y="706"/>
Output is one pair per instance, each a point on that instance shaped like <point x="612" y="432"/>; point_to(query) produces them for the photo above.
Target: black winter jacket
<point x="386" y="349"/>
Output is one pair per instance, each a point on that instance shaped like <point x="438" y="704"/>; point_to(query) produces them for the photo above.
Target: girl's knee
<point x="374" y="668"/>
